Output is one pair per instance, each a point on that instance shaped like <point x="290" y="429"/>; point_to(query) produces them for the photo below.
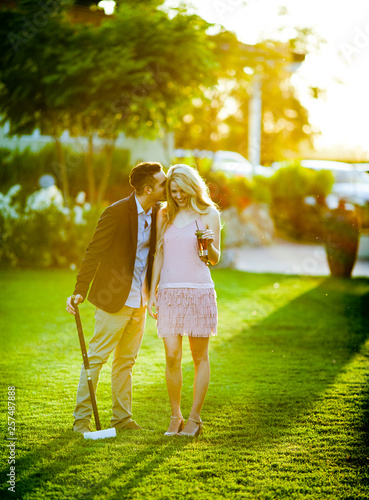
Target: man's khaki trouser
<point x="122" y="331"/>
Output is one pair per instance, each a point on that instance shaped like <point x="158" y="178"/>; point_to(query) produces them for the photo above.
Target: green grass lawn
<point x="286" y="414"/>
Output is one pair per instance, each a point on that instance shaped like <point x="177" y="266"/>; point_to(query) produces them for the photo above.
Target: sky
<point x="339" y="65"/>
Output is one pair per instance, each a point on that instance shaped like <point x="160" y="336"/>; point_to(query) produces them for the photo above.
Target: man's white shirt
<point x="139" y="292"/>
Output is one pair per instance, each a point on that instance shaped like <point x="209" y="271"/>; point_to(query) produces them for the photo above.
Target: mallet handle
<point x="86" y="365"/>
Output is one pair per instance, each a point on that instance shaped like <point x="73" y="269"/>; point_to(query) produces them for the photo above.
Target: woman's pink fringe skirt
<point x="187" y="311"/>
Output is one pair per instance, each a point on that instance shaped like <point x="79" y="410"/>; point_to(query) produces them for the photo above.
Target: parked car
<point x="350" y="183"/>
<point x="231" y="163"/>
<point x="234" y="164"/>
<point x="361" y="167"/>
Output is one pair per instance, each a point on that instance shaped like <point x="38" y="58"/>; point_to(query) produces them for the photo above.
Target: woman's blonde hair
<point x="190" y="181"/>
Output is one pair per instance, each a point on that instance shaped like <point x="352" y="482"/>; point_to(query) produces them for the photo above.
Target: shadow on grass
<point x="31" y="471"/>
<point x="68" y="455"/>
<point x="135" y="468"/>
<point x="266" y="378"/>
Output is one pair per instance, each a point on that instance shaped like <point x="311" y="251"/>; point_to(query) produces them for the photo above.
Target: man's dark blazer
<point x="110" y="257"/>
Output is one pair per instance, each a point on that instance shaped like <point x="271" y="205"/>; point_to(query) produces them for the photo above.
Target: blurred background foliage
<point x="145" y="71"/>
<point x="123" y="74"/>
<point x="219" y="120"/>
<point x="52" y="235"/>
<point x="290" y="189"/>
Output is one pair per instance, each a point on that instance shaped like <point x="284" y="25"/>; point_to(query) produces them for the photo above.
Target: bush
<point x="219" y="188"/>
<point x="296" y="183"/>
<point x="26" y="167"/>
<point x="37" y="230"/>
<point x="41" y="232"/>
<point x="230" y="192"/>
<point x="291" y="187"/>
<point x="261" y="192"/>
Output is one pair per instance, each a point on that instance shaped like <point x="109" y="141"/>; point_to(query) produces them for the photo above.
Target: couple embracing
<point x="143" y="255"/>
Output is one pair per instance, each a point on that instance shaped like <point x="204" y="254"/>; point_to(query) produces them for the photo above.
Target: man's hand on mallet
<point x="71" y="300"/>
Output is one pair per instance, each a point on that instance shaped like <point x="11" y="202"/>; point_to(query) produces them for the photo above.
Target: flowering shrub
<point x="42" y="232"/>
<point x="237" y="192"/>
<point x="45" y="198"/>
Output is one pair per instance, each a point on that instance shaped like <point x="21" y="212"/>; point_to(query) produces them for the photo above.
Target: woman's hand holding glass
<point x="204" y="238"/>
<point x="208" y="234"/>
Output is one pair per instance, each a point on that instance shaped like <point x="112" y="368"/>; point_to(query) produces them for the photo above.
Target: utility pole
<point x="255" y="114"/>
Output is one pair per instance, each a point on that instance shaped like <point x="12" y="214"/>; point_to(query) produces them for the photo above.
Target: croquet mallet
<point x="98" y="434"/>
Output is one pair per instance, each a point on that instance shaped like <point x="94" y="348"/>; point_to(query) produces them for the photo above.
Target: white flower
<point x="14" y="190"/>
<point x="45" y="198"/>
<point x="78" y="215"/>
<point x="8" y="209"/>
<point x="81" y="198"/>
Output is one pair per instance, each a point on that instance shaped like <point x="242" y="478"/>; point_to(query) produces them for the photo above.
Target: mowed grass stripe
<point x="286" y="414"/>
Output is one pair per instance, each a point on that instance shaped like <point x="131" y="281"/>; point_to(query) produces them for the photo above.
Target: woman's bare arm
<point x="158" y="264"/>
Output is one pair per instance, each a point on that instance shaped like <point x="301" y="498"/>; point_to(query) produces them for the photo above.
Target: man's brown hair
<point x="143" y="175"/>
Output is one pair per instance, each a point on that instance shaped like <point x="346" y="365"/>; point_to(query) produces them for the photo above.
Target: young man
<point x="119" y="261"/>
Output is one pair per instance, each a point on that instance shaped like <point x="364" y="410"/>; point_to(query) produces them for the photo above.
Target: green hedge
<point x="290" y="187"/>
<point x="26" y="167"/>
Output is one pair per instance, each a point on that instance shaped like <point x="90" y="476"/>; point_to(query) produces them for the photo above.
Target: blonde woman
<point x="182" y="291"/>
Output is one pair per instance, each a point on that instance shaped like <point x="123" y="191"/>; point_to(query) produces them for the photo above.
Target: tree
<point x="28" y="59"/>
<point x="135" y="85"/>
<point x="133" y="73"/>
<point x="285" y="120"/>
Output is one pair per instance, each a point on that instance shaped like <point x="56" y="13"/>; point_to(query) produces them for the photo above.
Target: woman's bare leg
<point x="200" y="355"/>
<point x="173" y="375"/>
